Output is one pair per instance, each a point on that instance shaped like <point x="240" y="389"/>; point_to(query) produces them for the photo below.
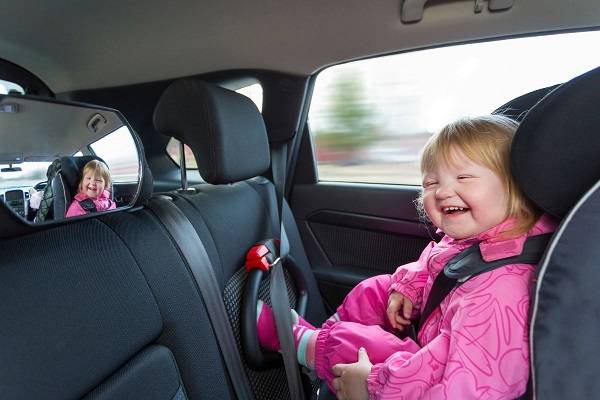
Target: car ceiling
<point x="44" y="131"/>
<point x="82" y="45"/>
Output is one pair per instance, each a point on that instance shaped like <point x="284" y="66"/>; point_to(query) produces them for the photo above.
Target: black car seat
<point x="234" y="210"/>
<point x="46" y="211"/>
<point x="64" y="175"/>
<point x="555" y="159"/>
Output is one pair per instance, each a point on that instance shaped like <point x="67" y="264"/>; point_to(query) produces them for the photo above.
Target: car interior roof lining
<point x="316" y="31"/>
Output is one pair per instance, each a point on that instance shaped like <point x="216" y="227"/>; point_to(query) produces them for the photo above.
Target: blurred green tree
<point x="351" y="120"/>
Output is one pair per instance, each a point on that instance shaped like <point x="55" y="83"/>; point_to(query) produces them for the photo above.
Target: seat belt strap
<point x="88" y="205"/>
<point x="194" y="253"/>
<point x="469" y="263"/>
<point x="278" y="288"/>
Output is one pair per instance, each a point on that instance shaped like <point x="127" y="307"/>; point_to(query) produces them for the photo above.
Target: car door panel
<point x="354" y="231"/>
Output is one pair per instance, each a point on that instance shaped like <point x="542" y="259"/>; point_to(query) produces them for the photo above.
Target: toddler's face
<point x="92" y="185"/>
<point x="463" y="198"/>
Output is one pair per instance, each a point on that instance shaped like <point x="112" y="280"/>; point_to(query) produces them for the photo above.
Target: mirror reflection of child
<point x="93" y="192"/>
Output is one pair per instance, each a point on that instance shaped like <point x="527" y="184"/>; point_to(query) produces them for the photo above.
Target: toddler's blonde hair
<point x="485" y="140"/>
<point x="96" y="168"/>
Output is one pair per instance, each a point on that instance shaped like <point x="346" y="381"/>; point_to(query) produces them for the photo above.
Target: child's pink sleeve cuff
<point x="374" y="383"/>
<point x="414" y="294"/>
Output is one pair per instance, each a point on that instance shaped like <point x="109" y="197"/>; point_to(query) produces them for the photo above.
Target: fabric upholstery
<point x="187" y="330"/>
<point x="565" y="322"/>
<point x="559" y="140"/>
<point x="555" y="161"/>
<point x="150" y="375"/>
<point x="224" y="129"/>
<point x="74" y="306"/>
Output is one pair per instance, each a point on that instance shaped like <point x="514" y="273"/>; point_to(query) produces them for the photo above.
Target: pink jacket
<point x="479" y="330"/>
<point x="102" y="203"/>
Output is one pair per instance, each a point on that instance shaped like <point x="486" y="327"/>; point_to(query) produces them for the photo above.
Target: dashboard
<point x="17" y="200"/>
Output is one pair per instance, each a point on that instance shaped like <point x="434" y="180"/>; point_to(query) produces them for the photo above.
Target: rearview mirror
<point x="11" y="169"/>
<point x="53" y="142"/>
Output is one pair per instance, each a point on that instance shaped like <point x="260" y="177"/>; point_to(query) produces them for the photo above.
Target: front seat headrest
<point x="223" y="128"/>
<point x="554" y="155"/>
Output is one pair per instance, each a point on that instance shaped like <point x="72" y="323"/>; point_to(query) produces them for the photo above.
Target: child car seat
<point x="555" y="161"/>
<point x="63" y="175"/>
<point x="45" y="210"/>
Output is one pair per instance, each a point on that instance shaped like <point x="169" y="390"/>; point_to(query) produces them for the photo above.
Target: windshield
<point x="30" y="174"/>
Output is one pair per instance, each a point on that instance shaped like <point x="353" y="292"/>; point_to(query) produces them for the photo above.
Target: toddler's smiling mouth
<point x="453" y="210"/>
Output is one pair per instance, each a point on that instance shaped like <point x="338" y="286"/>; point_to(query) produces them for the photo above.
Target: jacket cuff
<point x="374" y="385"/>
<point x="412" y="293"/>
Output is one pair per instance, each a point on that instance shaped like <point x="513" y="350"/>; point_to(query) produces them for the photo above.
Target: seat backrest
<point x="555" y="160"/>
<point x="518" y="107"/>
<point x="234" y="210"/>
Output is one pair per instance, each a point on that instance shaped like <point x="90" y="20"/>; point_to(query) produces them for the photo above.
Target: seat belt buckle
<point x="263" y="255"/>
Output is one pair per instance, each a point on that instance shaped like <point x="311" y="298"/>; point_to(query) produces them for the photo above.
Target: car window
<point x="118" y="150"/>
<point x="254" y="92"/>
<point x="7" y="87"/>
<point x="370" y="118"/>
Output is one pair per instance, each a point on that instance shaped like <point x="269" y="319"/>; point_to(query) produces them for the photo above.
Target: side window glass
<point x="369" y="119"/>
<point x="254" y="92"/>
<point x="173" y="152"/>
<point x="118" y="150"/>
<point x="7" y="87"/>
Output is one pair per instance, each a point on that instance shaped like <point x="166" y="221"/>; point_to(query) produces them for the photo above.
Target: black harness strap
<point x="278" y="289"/>
<point x="469" y="263"/>
<point x="88" y="205"/>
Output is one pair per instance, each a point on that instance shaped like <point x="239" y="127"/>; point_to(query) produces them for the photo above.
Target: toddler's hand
<point x="351" y="381"/>
<point x="399" y="310"/>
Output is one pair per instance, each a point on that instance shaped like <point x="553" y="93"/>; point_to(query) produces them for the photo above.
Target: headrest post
<point x="182" y="166"/>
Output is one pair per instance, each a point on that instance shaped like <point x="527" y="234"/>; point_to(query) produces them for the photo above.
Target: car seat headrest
<point x="71" y="169"/>
<point x="224" y="129"/>
<point x="518" y="107"/>
<point x="554" y="155"/>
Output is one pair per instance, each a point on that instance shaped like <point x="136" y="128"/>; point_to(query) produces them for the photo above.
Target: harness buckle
<point x="263" y="255"/>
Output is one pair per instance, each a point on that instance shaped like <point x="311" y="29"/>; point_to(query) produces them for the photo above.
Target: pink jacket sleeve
<point x="410" y="279"/>
<point x="480" y="352"/>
